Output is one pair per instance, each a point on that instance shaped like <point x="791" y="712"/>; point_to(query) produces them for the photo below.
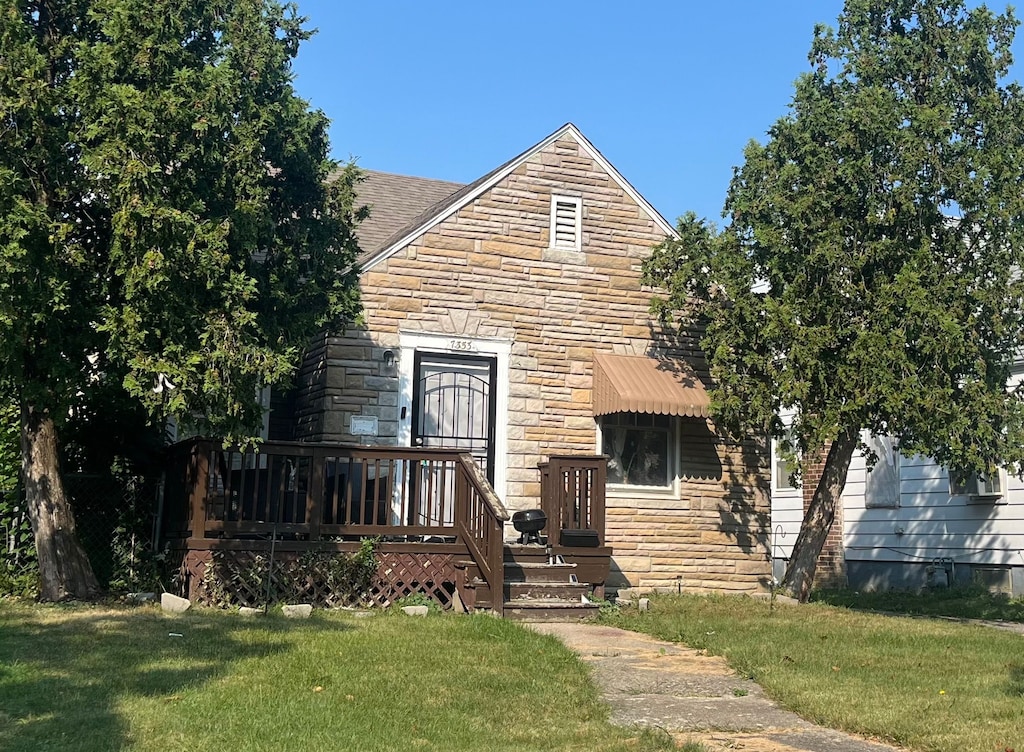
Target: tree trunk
<point x="818" y="521"/>
<point x="64" y="569"/>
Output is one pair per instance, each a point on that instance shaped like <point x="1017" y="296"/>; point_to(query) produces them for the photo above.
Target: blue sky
<point x="669" y="91"/>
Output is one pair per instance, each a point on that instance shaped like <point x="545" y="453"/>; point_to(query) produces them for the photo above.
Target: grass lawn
<point x="958" y="603"/>
<point x="106" y="679"/>
<point x="922" y="683"/>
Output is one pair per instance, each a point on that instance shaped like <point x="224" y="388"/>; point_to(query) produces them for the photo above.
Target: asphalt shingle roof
<point x="395" y="201"/>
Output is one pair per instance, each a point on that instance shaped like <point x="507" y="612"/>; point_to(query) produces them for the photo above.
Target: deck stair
<point x="536" y="589"/>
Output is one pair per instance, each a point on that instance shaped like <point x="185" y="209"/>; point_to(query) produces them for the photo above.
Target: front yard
<point x="86" y="678"/>
<point x="922" y="683"/>
<point x="114" y="679"/>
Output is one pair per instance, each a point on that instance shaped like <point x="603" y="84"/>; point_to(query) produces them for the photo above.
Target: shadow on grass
<point x="958" y="603"/>
<point x="64" y="672"/>
<point x="1015" y="684"/>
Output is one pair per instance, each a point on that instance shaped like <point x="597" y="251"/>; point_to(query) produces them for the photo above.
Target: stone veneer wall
<point x="489" y="272"/>
<point x="713" y="536"/>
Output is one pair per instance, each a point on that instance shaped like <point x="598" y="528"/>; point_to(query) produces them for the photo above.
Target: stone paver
<point x="649" y="682"/>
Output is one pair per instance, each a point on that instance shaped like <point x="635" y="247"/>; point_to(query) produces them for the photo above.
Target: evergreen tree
<point x="868" y="276"/>
<point x="163" y="214"/>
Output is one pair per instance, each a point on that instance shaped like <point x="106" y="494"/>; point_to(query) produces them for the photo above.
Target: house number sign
<point x="461" y="345"/>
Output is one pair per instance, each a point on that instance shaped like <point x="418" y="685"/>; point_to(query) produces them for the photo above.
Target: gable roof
<point x="447" y="206"/>
<point x="394" y="201"/>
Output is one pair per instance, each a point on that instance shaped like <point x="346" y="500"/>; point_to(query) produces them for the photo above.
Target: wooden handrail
<point x="484" y="487"/>
<point x="480" y="517"/>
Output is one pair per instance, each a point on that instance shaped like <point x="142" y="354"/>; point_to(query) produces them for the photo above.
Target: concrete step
<point x="549" y="610"/>
<point x="546" y="591"/>
<point x="539" y="572"/>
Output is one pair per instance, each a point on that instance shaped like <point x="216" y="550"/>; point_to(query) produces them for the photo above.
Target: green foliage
<point x="417" y="599"/>
<point x="133" y="564"/>
<point x="19" y="582"/>
<point x="605" y="606"/>
<point x="10" y="449"/>
<point x="166" y="223"/>
<point x="347" y="575"/>
<point x="868" y="275"/>
<point x="163" y="205"/>
<point x="115" y="514"/>
<point x="19" y="572"/>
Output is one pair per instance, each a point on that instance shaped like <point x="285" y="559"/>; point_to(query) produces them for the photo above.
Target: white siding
<point x="787" y="514"/>
<point x="931" y="523"/>
<point x="787" y="511"/>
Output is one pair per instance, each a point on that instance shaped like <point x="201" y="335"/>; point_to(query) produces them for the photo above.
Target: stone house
<point x="506" y="318"/>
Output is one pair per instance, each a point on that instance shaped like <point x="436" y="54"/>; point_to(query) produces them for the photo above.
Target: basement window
<point x="566" y="214"/>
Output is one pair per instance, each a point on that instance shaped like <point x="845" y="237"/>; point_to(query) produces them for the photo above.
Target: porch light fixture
<point x="389" y="359"/>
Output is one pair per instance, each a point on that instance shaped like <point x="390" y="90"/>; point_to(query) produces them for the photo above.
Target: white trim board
<point x="453" y="344"/>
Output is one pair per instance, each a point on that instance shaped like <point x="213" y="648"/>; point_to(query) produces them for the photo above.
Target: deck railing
<point x="328" y="492"/>
<point x="572" y="494"/>
<point x="481" y="526"/>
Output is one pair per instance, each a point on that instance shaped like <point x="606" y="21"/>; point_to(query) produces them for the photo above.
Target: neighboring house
<point x="907" y="524"/>
<point x="506" y="318"/>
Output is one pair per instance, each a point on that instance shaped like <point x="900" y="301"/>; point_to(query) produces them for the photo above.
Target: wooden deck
<point x="439" y="524"/>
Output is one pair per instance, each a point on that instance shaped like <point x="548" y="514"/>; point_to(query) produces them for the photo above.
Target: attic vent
<point x="565" y="222"/>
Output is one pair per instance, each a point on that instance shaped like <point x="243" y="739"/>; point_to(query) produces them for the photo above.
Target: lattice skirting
<point x="239" y="578"/>
<point x="402" y="574"/>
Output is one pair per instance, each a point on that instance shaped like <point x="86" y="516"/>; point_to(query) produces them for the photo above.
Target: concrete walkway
<point x="695" y="697"/>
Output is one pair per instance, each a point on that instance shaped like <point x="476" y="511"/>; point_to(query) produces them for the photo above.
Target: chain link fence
<point x="116" y="519"/>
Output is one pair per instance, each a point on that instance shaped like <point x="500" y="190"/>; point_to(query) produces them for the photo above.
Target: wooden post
<point x="461" y="510"/>
<point x="200" y="478"/>
<point x="496" y="558"/>
<point x="597" y="497"/>
<point x="549" y="500"/>
<point x="315" y="492"/>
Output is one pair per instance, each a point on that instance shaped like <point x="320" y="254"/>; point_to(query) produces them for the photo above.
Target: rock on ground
<point x="172" y="604"/>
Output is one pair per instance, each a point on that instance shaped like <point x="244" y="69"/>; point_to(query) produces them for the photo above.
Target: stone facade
<point x="488" y="274"/>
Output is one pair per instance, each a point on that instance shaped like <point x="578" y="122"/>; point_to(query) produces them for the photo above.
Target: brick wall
<point x="831" y="569"/>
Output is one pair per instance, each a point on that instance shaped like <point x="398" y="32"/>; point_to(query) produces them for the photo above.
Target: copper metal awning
<point x="639" y="384"/>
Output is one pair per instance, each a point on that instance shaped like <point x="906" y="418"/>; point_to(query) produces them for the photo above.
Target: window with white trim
<point x="566" y="222"/>
<point x="783" y="469"/>
<point x="640" y="449"/>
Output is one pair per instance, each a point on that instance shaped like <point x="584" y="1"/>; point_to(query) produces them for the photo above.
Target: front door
<point x="453" y="405"/>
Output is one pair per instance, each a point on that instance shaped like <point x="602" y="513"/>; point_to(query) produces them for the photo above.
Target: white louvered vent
<point x="565" y="222"/>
